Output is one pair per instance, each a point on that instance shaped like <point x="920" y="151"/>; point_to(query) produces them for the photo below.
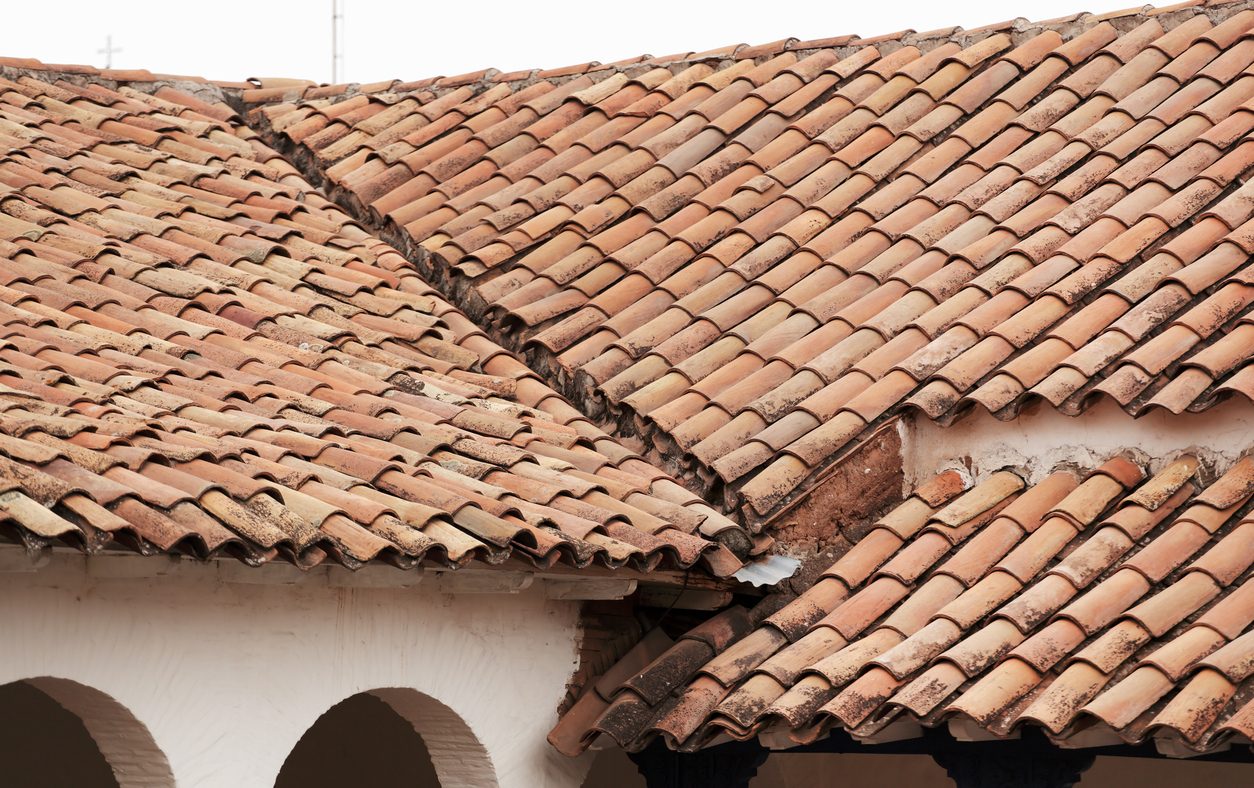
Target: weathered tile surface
<point x="1106" y="607"/>
<point x="750" y="257"/>
<point x="200" y="354"/>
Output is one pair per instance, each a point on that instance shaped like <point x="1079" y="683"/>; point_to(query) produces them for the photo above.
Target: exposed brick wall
<point x="607" y="630"/>
<point x="835" y="513"/>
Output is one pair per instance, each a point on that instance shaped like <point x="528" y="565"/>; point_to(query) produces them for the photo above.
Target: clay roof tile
<point x="1097" y="635"/>
<point x="334" y="388"/>
<point x="1024" y="124"/>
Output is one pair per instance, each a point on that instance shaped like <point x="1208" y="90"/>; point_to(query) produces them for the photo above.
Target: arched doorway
<point x="388" y="737"/>
<point x="56" y="732"/>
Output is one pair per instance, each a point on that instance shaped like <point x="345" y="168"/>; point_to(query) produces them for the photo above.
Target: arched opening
<point x="56" y="732"/>
<point x="384" y="738"/>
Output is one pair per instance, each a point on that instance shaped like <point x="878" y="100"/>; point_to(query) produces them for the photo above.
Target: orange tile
<point x="972" y="640"/>
<point x="1031" y="111"/>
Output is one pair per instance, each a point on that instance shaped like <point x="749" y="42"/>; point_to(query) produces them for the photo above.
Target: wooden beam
<point x="683" y="599"/>
<point x="588" y="589"/>
<point x="694" y="579"/>
<point x="274" y="573"/>
<point x="373" y="576"/>
<point x="494" y="581"/>
<point x="511" y="576"/>
<point x="130" y="567"/>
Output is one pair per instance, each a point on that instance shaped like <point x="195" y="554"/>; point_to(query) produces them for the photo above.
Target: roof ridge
<point x="266" y="90"/>
<point x="29" y="66"/>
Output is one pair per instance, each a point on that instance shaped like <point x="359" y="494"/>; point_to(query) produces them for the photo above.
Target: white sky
<point x="384" y="39"/>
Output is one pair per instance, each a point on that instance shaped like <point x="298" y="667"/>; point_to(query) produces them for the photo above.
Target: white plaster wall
<point x="228" y="677"/>
<point x="1040" y="440"/>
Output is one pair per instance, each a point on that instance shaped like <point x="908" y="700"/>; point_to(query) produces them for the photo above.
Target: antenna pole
<point x="337" y="19"/>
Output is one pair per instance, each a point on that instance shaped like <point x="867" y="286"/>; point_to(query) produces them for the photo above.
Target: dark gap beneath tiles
<point x="462" y="294"/>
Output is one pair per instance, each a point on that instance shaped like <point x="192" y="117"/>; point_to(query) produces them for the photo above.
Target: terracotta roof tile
<point x="201" y="355"/>
<point x="607" y="250"/>
<point x="1096" y="634"/>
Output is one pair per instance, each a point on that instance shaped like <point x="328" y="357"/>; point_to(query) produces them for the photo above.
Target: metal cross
<point x="108" y="51"/>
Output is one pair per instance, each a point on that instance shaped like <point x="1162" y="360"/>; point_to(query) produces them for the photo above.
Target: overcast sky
<point x="384" y="39"/>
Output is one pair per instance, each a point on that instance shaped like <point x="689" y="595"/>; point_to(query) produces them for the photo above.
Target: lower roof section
<point x="1102" y="607"/>
<point x="200" y="354"/>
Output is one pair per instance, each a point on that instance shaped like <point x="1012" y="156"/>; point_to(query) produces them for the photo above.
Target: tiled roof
<point x="750" y="258"/>
<point x="1101" y="608"/>
<point x="134" y="76"/>
<point x="200" y="354"/>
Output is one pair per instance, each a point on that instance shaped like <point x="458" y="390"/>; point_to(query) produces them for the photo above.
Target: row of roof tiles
<point x="118" y="75"/>
<point x="1101" y="608"/>
<point x="751" y="264"/>
<point x="199" y="354"/>
<point x="261" y="91"/>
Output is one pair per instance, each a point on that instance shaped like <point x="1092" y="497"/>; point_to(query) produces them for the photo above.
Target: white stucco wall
<point x="228" y="673"/>
<point x="228" y="676"/>
<point x="1041" y="439"/>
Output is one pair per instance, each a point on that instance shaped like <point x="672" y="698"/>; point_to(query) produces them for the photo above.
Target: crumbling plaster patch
<point x="1040" y="440"/>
